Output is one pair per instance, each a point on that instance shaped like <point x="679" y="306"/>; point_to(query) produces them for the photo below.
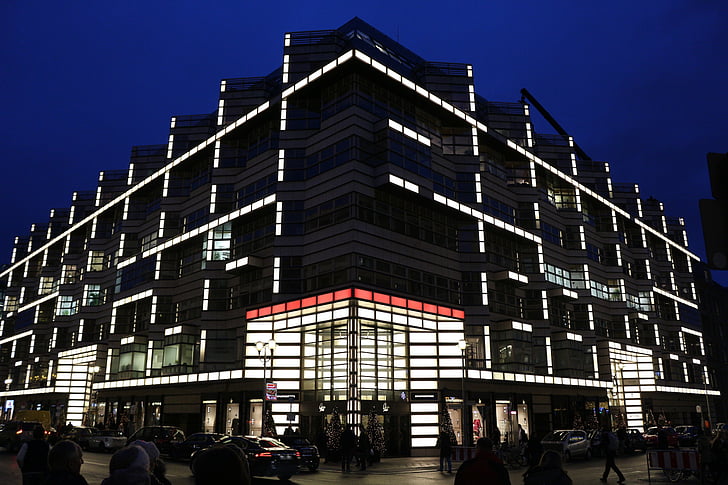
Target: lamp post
<point x="265" y="354"/>
<point x="8" y="381"/>
<point x="463" y="345"/>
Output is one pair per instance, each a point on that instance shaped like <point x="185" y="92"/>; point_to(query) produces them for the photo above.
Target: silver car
<point x="571" y="443"/>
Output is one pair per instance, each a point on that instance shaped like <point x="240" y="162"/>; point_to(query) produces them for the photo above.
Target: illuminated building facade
<point x="367" y="211"/>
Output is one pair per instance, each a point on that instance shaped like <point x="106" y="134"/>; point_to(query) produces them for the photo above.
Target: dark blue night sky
<point x="640" y="84"/>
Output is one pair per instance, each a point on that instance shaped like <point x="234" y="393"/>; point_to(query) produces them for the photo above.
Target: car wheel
<point x="285" y="477"/>
<point x="312" y="468"/>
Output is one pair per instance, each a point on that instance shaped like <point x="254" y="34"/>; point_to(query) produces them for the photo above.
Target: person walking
<point x="549" y="471"/>
<point x="348" y="446"/>
<point x="64" y="461"/>
<point x="33" y="458"/>
<point x="706" y="455"/>
<point x="486" y="467"/>
<point x="445" y="445"/>
<point x="522" y="436"/>
<point x="364" y="447"/>
<point x="534" y="450"/>
<point x="610" y="443"/>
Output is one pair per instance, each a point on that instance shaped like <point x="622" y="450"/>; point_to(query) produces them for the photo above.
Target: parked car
<point x="267" y="457"/>
<point x="687" y="435"/>
<point x="651" y="437"/>
<point x="595" y="438"/>
<point x="14" y="433"/>
<point x="165" y="437"/>
<point x="79" y="434"/>
<point x="309" y="452"/>
<point x="634" y="440"/>
<point x="571" y="443"/>
<point x="194" y="442"/>
<point x="107" y="440"/>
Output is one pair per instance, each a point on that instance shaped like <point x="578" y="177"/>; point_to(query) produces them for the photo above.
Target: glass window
<point x="66" y="306"/>
<point x="92" y="295"/>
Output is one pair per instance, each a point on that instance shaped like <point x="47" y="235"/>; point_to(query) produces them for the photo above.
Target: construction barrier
<point x="462" y="453"/>
<point x="685" y="461"/>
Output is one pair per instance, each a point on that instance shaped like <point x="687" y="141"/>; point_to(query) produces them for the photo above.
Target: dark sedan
<point x="267" y="457"/>
<point x="194" y="442"/>
<point x="309" y="452"/>
<point x="79" y="434"/>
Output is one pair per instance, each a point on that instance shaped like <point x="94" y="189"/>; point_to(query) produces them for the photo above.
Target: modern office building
<point x="357" y="230"/>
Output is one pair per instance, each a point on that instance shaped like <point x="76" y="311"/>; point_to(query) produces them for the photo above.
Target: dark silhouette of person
<point x="496" y="436"/>
<point x="322" y="445"/>
<point x="611" y="444"/>
<point x="549" y="471"/>
<point x="348" y="446"/>
<point x="364" y="447"/>
<point x="534" y="450"/>
<point x="33" y="458"/>
<point x="64" y="461"/>
<point x="486" y="467"/>
<point x="221" y="465"/>
<point x="129" y="466"/>
<point x="445" y="445"/>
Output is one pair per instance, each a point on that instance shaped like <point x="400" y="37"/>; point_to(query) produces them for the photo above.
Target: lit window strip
<point x="37" y="302"/>
<point x="16" y="337"/>
<point x="408" y="132"/>
<point x="276" y="274"/>
<point x="200" y="230"/>
<point x="133" y="298"/>
<point x="674" y="297"/>
<point x="485" y="217"/>
<point x="400" y="182"/>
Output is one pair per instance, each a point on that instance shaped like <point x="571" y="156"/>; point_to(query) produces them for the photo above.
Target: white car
<point x="107" y="440"/>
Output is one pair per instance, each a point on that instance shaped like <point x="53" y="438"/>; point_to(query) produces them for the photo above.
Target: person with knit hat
<point x="157" y="467"/>
<point x="129" y="466"/>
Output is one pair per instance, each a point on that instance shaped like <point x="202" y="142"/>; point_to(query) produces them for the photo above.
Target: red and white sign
<point x="673" y="460"/>
<point x="271" y="391"/>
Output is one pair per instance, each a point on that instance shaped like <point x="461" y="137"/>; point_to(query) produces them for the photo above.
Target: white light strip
<point x="38" y="302"/>
<point x="200" y="230"/>
<point x="16" y="337"/>
<point x="400" y="182"/>
<point x="409" y="132"/>
<point x="674" y="297"/>
<point x="133" y="298"/>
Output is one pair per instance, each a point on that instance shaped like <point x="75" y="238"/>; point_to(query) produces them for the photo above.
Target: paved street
<point x="392" y="470"/>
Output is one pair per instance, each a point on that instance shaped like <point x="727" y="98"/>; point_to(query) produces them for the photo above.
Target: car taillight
<point x="298" y="454"/>
<point x="264" y="454"/>
<point x="20" y="431"/>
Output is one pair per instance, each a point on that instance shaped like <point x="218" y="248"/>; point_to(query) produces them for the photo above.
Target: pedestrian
<point x="534" y="450"/>
<point x="496" y="436"/>
<point x="322" y="445"/>
<point x="364" y="448"/>
<point x="64" y="463"/>
<point x="348" y="446"/>
<point x="706" y="455"/>
<point x="610" y="442"/>
<point x="157" y="468"/>
<point x="522" y="436"/>
<point x="662" y="443"/>
<point x="486" y="467"/>
<point x="548" y="471"/>
<point x="33" y="458"/>
<point x="719" y="450"/>
<point x="129" y="466"/>
<point x="221" y="465"/>
<point x="445" y="445"/>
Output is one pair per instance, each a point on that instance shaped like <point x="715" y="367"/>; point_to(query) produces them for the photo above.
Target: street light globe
<point x="8" y="381"/>
<point x="462" y="344"/>
<point x="272" y="344"/>
<point x="259" y="346"/>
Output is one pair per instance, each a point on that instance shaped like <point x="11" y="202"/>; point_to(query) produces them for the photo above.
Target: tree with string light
<point x="333" y="432"/>
<point x="446" y="425"/>
<point x="375" y="431"/>
<point x="269" y="425"/>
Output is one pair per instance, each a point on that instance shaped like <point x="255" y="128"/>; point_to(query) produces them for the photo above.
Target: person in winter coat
<point x="64" y="461"/>
<point x="547" y="472"/>
<point x="157" y="468"/>
<point x="363" y="448"/>
<point x="33" y="458"/>
<point x="534" y="450"/>
<point x="486" y="467"/>
<point x="348" y="446"/>
<point x="611" y="444"/>
<point x="443" y="442"/>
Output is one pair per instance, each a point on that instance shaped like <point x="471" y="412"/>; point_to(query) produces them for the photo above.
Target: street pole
<point x="265" y="354"/>
<point x="463" y="345"/>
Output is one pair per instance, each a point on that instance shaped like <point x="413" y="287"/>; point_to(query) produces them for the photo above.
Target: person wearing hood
<point x="157" y="468"/>
<point x="547" y="472"/>
<point x="129" y="466"/>
<point x="486" y="467"/>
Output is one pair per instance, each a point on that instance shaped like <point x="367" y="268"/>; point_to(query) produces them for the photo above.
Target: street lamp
<point x="265" y="354"/>
<point x="8" y="381"/>
<point x="463" y="345"/>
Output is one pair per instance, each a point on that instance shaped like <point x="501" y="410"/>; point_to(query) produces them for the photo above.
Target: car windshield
<point x="28" y="426"/>
<point x="296" y="441"/>
<point x="111" y="432"/>
<point x="556" y="436"/>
